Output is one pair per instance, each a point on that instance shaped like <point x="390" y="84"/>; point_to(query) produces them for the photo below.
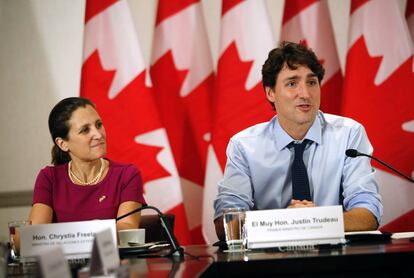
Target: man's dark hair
<point x="293" y="55"/>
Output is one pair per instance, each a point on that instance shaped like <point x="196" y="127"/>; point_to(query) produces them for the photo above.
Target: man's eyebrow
<point x="296" y="77"/>
<point x="293" y="77"/>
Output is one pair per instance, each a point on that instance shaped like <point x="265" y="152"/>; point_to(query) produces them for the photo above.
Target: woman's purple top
<point x="72" y="202"/>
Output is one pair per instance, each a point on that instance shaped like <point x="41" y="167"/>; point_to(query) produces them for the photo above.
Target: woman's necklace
<point x="77" y="180"/>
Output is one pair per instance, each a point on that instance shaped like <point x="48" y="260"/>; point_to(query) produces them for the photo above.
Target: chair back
<point x="153" y="229"/>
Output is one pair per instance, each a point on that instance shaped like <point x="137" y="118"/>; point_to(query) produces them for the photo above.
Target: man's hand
<point x="359" y="219"/>
<point x="219" y="228"/>
<point x="356" y="219"/>
<point x="301" y="204"/>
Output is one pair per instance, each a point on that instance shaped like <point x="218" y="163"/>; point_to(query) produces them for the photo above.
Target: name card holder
<point x="52" y="264"/>
<point x="75" y="238"/>
<point x="294" y="227"/>
<point x="105" y="256"/>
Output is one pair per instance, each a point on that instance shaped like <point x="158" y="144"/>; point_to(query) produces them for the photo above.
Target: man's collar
<point x="314" y="133"/>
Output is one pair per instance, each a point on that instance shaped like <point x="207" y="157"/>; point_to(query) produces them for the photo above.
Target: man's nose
<point x="303" y="91"/>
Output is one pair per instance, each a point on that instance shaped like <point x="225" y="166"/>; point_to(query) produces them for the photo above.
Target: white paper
<point x="402" y="235"/>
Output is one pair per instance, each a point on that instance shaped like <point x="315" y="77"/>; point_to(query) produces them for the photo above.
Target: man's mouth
<point x="304" y="106"/>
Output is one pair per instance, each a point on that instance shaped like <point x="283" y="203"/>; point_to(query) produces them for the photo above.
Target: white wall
<point x="40" y="62"/>
<point x="40" y="59"/>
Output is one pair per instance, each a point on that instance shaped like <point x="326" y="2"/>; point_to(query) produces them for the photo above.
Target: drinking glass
<point x="14" y="237"/>
<point x="234" y="219"/>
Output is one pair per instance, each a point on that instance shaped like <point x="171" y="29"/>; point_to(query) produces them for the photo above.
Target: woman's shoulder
<point x="124" y="172"/>
<point x="50" y="172"/>
<point x="122" y="167"/>
<point x="53" y="169"/>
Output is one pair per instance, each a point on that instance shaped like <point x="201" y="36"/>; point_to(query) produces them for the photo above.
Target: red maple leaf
<point x="381" y="109"/>
<point x="186" y="119"/>
<point x="235" y="108"/>
<point x="331" y="94"/>
<point x="227" y="5"/>
<point x="129" y="114"/>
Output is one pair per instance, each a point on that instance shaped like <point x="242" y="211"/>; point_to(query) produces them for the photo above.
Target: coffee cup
<point x="131" y="237"/>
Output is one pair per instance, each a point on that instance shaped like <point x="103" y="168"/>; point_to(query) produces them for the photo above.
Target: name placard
<point x="105" y="256"/>
<point x="294" y="227"/>
<point x="52" y="264"/>
<point x="75" y="238"/>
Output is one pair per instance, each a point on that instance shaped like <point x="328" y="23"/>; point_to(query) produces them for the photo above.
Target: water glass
<point x="233" y="220"/>
<point x="14" y="237"/>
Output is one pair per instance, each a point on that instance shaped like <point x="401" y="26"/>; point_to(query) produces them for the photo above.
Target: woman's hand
<point x="131" y="221"/>
<point x="41" y="214"/>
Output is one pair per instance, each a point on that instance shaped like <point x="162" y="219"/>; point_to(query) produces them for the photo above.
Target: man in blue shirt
<point x="258" y="170"/>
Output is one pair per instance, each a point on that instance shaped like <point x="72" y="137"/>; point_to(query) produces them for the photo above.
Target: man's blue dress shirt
<point x="258" y="175"/>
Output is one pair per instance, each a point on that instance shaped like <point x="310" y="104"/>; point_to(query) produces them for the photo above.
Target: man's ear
<point x="270" y="94"/>
<point x="62" y="144"/>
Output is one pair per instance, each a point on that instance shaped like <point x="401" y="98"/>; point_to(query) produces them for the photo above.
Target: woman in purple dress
<point x="83" y="184"/>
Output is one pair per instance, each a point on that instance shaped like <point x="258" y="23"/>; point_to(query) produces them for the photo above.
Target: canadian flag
<point x="239" y="100"/>
<point x="409" y="14"/>
<point x="378" y="93"/>
<point x="182" y="74"/>
<point x="309" y="21"/>
<point x="114" y="78"/>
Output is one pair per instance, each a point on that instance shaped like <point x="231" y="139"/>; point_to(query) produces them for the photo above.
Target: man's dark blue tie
<point x="300" y="180"/>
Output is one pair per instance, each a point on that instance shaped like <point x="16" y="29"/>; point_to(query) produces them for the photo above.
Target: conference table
<point x="390" y="258"/>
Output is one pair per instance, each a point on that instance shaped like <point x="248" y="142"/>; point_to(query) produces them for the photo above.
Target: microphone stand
<point x="177" y="250"/>
<point x="355" y="153"/>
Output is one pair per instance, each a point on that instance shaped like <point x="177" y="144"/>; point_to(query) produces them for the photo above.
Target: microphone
<point x="355" y="153"/>
<point x="177" y="250"/>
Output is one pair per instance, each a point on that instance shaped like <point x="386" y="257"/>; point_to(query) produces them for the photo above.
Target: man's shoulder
<point x="254" y="131"/>
<point x="336" y="121"/>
